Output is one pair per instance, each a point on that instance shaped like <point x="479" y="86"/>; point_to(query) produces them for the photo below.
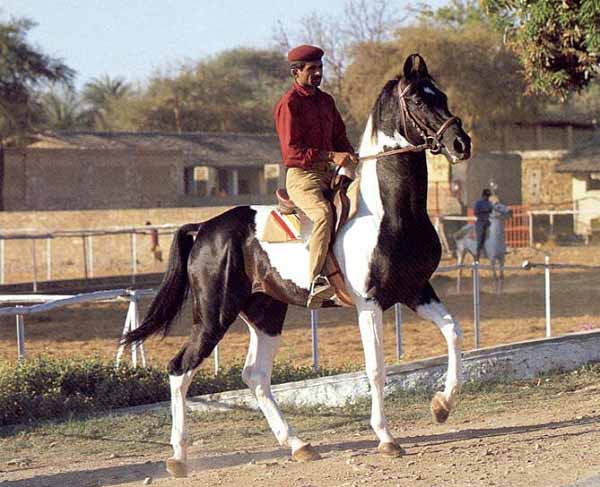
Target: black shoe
<point x="320" y="290"/>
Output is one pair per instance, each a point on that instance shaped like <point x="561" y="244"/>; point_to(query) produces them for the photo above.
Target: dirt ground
<point x="543" y="432"/>
<point x="517" y="314"/>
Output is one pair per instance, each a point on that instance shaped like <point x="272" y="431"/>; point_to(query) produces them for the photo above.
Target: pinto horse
<point x="387" y="254"/>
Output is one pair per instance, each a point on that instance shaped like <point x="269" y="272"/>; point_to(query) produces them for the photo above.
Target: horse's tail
<point x="462" y="232"/>
<point x="173" y="290"/>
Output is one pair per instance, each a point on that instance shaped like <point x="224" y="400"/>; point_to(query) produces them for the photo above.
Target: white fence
<point x="87" y="237"/>
<point x="42" y="303"/>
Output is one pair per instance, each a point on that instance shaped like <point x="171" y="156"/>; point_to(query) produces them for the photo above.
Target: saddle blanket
<point x="282" y="228"/>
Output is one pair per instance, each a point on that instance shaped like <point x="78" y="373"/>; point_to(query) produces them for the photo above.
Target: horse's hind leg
<point x="264" y="317"/>
<point x="218" y="297"/>
<point x="430" y="307"/>
<point x="370" y="319"/>
<point x="181" y="372"/>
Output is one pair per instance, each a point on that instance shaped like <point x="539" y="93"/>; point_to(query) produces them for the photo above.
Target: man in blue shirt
<point x="482" y="209"/>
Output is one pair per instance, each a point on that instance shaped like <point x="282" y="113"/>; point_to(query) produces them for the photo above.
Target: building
<point x="583" y="166"/>
<point x="95" y="170"/>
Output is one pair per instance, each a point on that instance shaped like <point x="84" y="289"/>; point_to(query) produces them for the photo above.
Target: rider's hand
<point x="344" y="159"/>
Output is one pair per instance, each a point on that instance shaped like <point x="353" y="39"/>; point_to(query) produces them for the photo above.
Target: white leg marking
<point x="257" y="375"/>
<point x="450" y="328"/>
<point x="179" y="439"/>
<point x="370" y="319"/>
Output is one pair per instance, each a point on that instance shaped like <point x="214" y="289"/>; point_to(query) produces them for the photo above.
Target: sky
<point x="134" y="38"/>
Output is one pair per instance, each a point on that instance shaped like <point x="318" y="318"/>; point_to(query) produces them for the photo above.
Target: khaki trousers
<point x="305" y="188"/>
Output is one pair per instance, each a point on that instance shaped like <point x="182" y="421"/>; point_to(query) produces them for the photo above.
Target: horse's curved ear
<point x="415" y="67"/>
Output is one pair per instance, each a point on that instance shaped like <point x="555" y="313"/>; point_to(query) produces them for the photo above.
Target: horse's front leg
<point x="257" y="376"/>
<point x="432" y="309"/>
<point x="370" y="318"/>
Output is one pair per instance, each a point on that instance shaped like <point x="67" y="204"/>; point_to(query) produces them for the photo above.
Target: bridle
<point x="432" y="138"/>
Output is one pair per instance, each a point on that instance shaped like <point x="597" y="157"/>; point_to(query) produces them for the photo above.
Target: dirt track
<point x="536" y="433"/>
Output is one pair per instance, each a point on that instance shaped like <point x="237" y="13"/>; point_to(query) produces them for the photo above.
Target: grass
<point x="148" y="434"/>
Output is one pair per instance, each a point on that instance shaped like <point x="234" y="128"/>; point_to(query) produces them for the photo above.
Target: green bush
<point x="44" y="388"/>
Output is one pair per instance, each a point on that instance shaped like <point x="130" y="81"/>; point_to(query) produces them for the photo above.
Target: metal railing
<point x="43" y="303"/>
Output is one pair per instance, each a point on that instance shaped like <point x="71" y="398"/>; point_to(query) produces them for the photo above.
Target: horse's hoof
<point x="306" y="454"/>
<point x="389" y="449"/>
<point x="440" y="408"/>
<point x="176" y="468"/>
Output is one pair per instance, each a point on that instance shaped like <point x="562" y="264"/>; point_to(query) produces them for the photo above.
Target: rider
<point x="313" y="142"/>
<point x="482" y="209"/>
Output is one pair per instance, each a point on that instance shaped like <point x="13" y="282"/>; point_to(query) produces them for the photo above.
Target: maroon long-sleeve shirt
<point x="308" y="124"/>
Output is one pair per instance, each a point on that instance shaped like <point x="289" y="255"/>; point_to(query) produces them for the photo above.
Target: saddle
<point x="284" y="224"/>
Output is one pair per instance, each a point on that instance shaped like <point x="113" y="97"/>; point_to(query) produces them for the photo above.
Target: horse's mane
<point x="381" y="106"/>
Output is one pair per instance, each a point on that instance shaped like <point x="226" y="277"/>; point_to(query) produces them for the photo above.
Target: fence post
<point x="530" y="228"/>
<point x="34" y="264"/>
<point x="217" y="359"/>
<point x="1" y="261"/>
<point x="48" y="259"/>
<point x="21" y="336"/>
<point x="133" y="256"/>
<point x="476" y="303"/>
<point x="314" y="324"/>
<point x="398" y="323"/>
<point x="85" y="258"/>
<point x="547" y="295"/>
<point x="90" y="255"/>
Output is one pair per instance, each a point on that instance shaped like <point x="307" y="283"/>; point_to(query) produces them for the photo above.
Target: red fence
<point x="516" y="229"/>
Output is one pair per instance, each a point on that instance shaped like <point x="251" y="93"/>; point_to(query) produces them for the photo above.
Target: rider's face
<point x="310" y="75"/>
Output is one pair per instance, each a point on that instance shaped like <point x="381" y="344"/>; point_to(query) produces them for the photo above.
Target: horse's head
<point x="413" y="106"/>
<point x="501" y="211"/>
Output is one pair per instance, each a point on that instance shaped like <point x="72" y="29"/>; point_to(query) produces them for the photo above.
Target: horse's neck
<point x="372" y="201"/>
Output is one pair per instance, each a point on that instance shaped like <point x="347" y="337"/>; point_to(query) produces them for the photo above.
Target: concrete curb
<point x="522" y="360"/>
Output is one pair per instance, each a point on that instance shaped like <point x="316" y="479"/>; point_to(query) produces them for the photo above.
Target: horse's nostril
<point x="459" y="146"/>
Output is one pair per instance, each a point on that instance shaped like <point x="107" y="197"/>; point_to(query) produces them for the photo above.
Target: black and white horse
<point x="387" y="254"/>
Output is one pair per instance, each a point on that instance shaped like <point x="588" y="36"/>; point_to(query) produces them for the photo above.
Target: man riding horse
<point x="483" y="209"/>
<point x="313" y="142"/>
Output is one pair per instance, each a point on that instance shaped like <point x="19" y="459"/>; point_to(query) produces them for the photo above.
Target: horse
<point x="387" y="254"/>
<point x="494" y="245"/>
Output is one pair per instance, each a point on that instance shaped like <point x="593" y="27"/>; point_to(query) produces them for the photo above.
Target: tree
<point x="63" y="110"/>
<point x="481" y="78"/>
<point x="23" y="69"/>
<point x="101" y="95"/>
<point x="234" y="91"/>
<point x="557" y="41"/>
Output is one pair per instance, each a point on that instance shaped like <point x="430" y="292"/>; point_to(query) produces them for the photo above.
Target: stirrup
<point x="320" y="290"/>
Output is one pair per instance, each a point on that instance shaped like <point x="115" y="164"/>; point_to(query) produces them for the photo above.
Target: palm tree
<point x="100" y="94"/>
<point x="62" y="110"/>
<point x="22" y="70"/>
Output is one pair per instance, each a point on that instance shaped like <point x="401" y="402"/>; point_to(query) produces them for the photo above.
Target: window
<point x="593" y="181"/>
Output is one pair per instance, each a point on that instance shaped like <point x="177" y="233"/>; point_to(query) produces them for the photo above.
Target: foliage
<point x="48" y="388"/>
<point x="102" y="95"/>
<point x="62" y="110"/>
<point x="232" y="92"/>
<point x="557" y="41"/>
<point x="481" y="78"/>
<point x="23" y="69"/>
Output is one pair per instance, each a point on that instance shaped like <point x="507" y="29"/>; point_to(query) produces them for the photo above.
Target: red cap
<point x="305" y="53"/>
